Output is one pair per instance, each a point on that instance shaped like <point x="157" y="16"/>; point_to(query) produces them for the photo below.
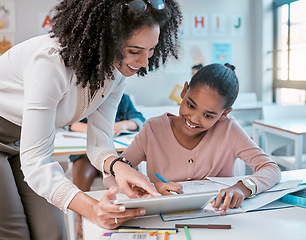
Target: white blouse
<point x="40" y="94"/>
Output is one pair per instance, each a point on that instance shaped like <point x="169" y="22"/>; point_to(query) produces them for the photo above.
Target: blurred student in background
<point x="195" y="69"/>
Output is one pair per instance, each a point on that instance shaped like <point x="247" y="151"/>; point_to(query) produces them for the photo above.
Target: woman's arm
<point x="101" y="149"/>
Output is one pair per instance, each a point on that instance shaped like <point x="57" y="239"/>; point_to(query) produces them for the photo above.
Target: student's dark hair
<point x="221" y="78"/>
<point x="198" y="66"/>
<point x="92" y="34"/>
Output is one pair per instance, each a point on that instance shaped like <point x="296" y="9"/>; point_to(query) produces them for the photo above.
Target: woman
<point x="54" y="80"/>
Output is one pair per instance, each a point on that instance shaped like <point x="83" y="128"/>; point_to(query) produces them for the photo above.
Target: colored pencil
<point x="187" y="233"/>
<point x="209" y="226"/>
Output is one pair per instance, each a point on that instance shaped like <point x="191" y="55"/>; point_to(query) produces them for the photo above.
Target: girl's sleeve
<point x="46" y="80"/>
<point x="136" y="152"/>
<point x="100" y="135"/>
<point x="266" y="172"/>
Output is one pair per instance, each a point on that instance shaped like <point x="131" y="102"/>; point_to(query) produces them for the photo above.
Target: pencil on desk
<point x="138" y="230"/>
<point x="122" y="143"/>
<point x="187" y="233"/>
<point x="166" y="236"/>
<point x="208" y="226"/>
<point x="141" y="228"/>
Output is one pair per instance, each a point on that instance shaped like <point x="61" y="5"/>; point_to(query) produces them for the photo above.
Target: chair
<point x="281" y="149"/>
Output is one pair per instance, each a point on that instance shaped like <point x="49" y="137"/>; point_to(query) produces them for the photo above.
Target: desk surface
<point x="73" y="151"/>
<point x="292" y="125"/>
<point x="286" y="223"/>
<point x="77" y="145"/>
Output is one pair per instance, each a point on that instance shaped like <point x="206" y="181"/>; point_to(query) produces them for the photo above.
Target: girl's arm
<point x="266" y="172"/>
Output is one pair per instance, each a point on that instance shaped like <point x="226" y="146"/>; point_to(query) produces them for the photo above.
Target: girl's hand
<point x="231" y="197"/>
<point x="167" y="188"/>
<point x="109" y="215"/>
<point x="133" y="183"/>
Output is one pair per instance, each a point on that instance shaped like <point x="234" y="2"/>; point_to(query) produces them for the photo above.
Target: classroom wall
<point x="28" y="17"/>
<point x="249" y="51"/>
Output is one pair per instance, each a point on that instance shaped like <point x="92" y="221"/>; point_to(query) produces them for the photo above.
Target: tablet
<point x="169" y="203"/>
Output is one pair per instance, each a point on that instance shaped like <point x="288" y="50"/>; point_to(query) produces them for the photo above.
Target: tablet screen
<point x="169" y="203"/>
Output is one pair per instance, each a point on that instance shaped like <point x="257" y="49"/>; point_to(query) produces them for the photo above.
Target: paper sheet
<point x="258" y="202"/>
<point x="127" y="236"/>
<point x="199" y="186"/>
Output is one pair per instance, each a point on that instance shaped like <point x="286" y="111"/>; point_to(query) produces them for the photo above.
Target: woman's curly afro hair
<point x="92" y="34"/>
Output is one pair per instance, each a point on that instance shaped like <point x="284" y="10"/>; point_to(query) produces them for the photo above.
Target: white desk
<point x="290" y="128"/>
<point x="284" y="224"/>
<point x="247" y="112"/>
<point x="77" y="146"/>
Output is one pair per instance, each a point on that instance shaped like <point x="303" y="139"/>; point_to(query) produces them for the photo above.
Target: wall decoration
<point x="237" y="25"/>
<point x="7" y="16"/>
<point x="222" y="53"/>
<point x="192" y="53"/>
<point x="45" y="23"/>
<point x="199" y="25"/>
<point x="198" y="52"/>
<point x="183" y="27"/>
<point x="6" y="42"/>
<point x="218" y="25"/>
<point x="176" y="94"/>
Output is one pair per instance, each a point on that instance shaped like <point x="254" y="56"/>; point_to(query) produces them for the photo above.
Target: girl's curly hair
<point x="92" y="34"/>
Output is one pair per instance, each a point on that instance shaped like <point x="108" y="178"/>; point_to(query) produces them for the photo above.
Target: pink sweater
<point x="214" y="156"/>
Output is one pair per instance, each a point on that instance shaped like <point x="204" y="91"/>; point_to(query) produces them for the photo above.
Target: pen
<point x="161" y="178"/>
<point x="128" y="227"/>
<point x="209" y="226"/>
<point x="215" y="199"/>
<point x="139" y="230"/>
<point x="187" y="233"/>
<point x="122" y="143"/>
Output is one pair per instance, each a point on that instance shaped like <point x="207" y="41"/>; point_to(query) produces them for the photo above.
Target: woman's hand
<point x="231" y="197"/>
<point x="110" y="215"/>
<point x="103" y="213"/>
<point x="133" y="183"/>
<point x="167" y="188"/>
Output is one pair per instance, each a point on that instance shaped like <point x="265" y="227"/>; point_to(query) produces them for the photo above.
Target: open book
<point x="265" y="200"/>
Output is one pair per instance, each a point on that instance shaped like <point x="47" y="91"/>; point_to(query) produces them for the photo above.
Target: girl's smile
<point x="191" y="125"/>
<point x="200" y="109"/>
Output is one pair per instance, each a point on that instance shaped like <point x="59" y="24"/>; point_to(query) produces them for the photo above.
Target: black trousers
<point x="23" y="213"/>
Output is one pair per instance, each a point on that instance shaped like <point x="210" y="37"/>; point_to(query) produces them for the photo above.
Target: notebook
<point x="296" y="198"/>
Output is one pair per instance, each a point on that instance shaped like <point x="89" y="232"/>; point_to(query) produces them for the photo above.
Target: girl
<point x="203" y="141"/>
<point x="54" y="80"/>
